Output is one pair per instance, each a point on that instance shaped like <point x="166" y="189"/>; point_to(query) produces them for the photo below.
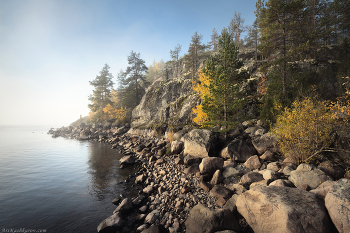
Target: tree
<point x="224" y="78"/>
<point x="252" y="38"/>
<point x="132" y="81"/>
<point x="174" y="54"/>
<point x="278" y="23"/>
<point x="155" y="71"/>
<point x="236" y="27"/>
<point x="213" y="43"/>
<point x="192" y="58"/>
<point x="100" y="97"/>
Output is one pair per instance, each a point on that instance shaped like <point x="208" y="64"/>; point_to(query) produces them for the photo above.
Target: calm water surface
<point x="57" y="184"/>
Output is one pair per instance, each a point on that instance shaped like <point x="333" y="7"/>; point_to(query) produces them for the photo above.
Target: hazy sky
<point x="51" y="49"/>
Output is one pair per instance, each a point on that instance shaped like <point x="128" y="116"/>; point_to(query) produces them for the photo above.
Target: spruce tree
<point x="192" y="58"/>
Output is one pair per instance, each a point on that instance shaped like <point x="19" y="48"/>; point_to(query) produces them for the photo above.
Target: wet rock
<point x="337" y="202"/>
<point x="127" y="160"/>
<point x="203" y="220"/>
<point x="210" y="165"/>
<point x="281" y="209"/>
<point x="116" y="200"/>
<point x="111" y="224"/>
<point x="238" y="150"/>
<point x="200" y="143"/>
<point x="155" y="229"/>
<point x="124" y="207"/>
<point x="253" y="163"/>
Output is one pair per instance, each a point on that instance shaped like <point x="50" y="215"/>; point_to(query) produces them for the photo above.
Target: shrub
<point x="305" y="130"/>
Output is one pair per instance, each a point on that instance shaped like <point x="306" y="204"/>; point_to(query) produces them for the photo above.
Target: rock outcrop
<point x="166" y="101"/>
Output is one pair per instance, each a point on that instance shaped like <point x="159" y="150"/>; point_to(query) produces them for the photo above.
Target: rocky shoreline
<point x="200" y="181"/>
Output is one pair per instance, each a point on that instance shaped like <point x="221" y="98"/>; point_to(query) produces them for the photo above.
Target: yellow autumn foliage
<point x="201" y="87"/>
<point x="305" y="130"/>
<point x="112" y="112"/>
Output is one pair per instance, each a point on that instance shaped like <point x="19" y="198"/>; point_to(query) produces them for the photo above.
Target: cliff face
<point x="166" y="101"/>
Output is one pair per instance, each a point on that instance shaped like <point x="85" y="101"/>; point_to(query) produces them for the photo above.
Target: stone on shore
<point x="124" y="207"/>
<point x="204" y="220"/>
<point x="337" y="202"/>
<point x="303" y="175"/>
<point x="264" y="143"/>
<point x="177" y="146"/>
<point x="155" y="229"/>
<point x="111" y="224"/>
<point x="127" y="160"/>
<point x="199" y="143"/>
<point x="238" y="150"/>
<point x="210" y="165"/>
<point x="280" y="209"/>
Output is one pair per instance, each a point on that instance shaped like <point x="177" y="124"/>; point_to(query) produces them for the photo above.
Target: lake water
<point x="56" y="184"/>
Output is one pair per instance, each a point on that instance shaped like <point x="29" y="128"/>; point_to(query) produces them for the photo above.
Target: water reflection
<point x="106" y="175"/>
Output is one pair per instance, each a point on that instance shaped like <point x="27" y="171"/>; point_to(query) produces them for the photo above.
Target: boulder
<point x="253" y="163"/>
<point x="217" y="178"/>
<point x="312" y="178"/>
<point x="152" y="217"/>
<point x="230" y="171"/>
<point x="268" y="156"/>
<point x="210" y="165"/>
<point x="278" y="209"/>
<point x="270" y="175"/>
<point x="274" y="166"/>
<point x="337" y="202"/>
<point x="279" y="182"/>
<point x="250" y="178"/>
<point x="111" y="224"/>
<point x="264" y="143"/>
<point x="189" y="160"/>
<point x="231" y="203"/>
<point x="220" y="191"/>
<point x="200" y="143"/>
<point x="193" y="169"/>
<point x="155" y="229"/>
<point x="204" y="220"/>
<point x="238" y="150"/>
<point x="258" y="184"/>
<point x="177" y="146"/>
<point x="127" y="160"/>
<point x="229" y="163"/>
<point x="121" y="130"/>
<point x="124" y="207"/>
<point x="322" y="190"/>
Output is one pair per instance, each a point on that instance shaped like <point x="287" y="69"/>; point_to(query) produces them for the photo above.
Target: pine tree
<point x="236" y="27"/>
<point x="252" y="38"/>
<point x="192" y="58"/>
<point x="213" y="43"/>
<point x="132" y="81"/>
<point x="100" y="97"/>
<point x="224" y="77"/>
<point x="174" y="54"/>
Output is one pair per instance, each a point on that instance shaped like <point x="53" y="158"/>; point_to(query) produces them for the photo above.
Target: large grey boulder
<point x="111" y="224"/>
<point x="238" y="150"/>
<point x="210" y="165"/>
<point x="200" y="143"/>
<point x="337" y="202"/>
<point x="204" y="220"/>
<point x="264" y="143"/>
<point x="304" y="175"/>
<point x="276" y="209"/>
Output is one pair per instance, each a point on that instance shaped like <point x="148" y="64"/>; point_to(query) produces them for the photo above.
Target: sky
<point x="51" y="49"/>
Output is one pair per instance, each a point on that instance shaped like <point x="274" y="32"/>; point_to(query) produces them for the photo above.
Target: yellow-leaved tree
<point x="112" y="110"/>
<point x="201" y="87"/>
